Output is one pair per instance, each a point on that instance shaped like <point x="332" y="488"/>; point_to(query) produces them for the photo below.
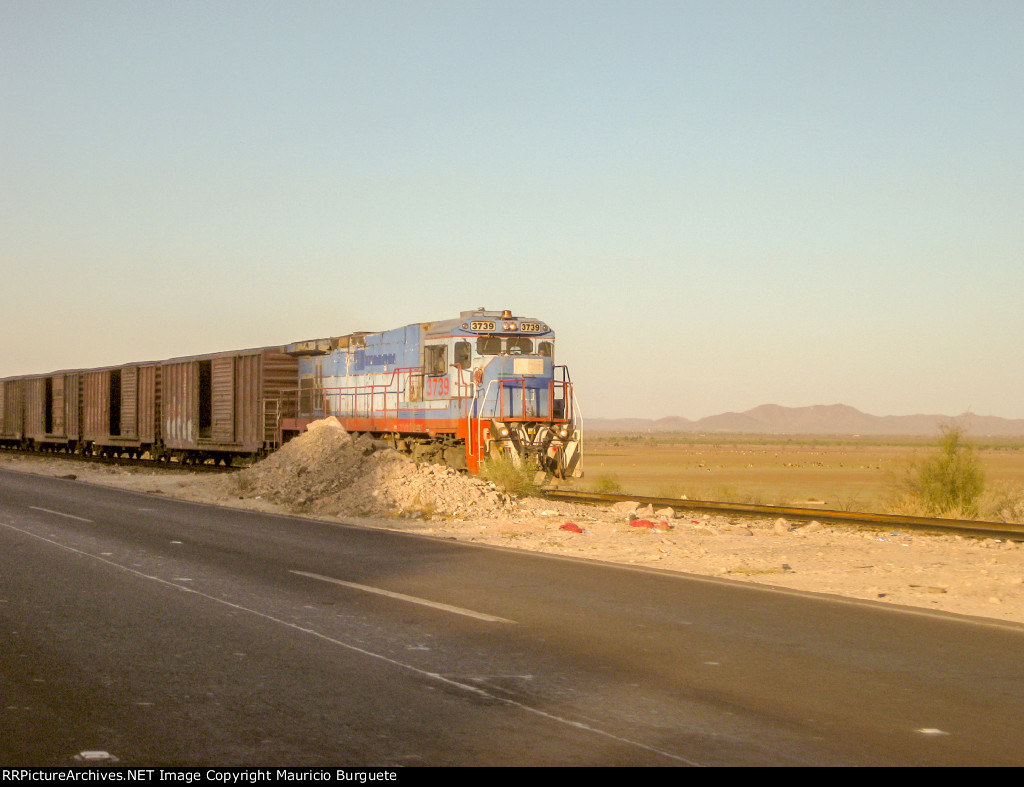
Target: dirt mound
<point x="325" y="471"/>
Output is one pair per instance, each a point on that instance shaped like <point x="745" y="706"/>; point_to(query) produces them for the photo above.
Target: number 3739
<point x="438" y="386"/>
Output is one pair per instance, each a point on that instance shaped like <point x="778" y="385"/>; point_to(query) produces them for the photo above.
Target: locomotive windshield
<point x="519" y="346"/>
<point x="514" y="345"/>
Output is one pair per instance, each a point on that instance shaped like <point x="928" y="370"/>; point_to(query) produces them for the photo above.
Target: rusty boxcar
<point x="12" y="414"/>
<point x="223" y="405"/>
<point x="52" y="410"/>
<point x="120" y="409"/>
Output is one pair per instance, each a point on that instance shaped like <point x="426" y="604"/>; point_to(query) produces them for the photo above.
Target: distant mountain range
<point x="832" y="419"/>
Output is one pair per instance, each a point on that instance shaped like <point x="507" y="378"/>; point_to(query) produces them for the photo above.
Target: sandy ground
<point x="977" y="577"/>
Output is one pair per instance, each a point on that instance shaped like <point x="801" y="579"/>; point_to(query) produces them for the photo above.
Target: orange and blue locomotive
<point x="484" y="385"/>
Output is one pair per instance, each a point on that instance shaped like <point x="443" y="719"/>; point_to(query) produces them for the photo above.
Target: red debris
<point x="572" y="527"/>
<point x="649" y="524"/>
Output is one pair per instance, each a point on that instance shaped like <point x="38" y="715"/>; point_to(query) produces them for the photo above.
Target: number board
<point x="481" y="325"/>
<point x="531" y="327"/>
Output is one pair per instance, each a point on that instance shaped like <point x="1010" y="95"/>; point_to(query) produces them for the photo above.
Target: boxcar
<point x="223" y="405"/>
<point x="119" y="409"/>
<point x="52" y="410"/>
<point x="12" y="414"/>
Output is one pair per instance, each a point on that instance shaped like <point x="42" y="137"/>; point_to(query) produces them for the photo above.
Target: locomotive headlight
<point x="503" y="431"/>
<point x="563" y="431"/>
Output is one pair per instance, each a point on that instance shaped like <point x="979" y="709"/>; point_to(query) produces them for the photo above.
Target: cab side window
<point x="434" y="360"/>
<point x="463" y="354"/>
<point x="544" y="348"/>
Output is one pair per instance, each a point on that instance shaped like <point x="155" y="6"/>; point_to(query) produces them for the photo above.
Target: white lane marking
<point x="60" y="513"/>
<point x="579" y="725"/>
<point x="411" y="599"/>
<point x="95" y="756"/>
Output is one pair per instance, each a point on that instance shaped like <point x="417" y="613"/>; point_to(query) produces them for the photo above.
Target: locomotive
<point x="457" y="391"/>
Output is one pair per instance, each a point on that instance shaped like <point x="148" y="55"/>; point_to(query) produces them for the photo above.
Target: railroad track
<point x="965" y="527"/>
<point x="120" y="461"/>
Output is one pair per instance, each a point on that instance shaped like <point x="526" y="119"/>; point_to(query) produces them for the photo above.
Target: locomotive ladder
<point x="271" y="423"/>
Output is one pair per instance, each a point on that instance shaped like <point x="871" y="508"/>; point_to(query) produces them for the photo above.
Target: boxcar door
<point x="223" y="415"/>
<point x="130" y="403"/>
<point x="57" y="405"/>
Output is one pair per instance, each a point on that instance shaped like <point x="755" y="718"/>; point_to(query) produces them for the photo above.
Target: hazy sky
<point x="716" y="204"/>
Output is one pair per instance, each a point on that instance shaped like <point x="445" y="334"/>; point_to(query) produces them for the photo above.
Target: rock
<point x="782" y="526"/>
<point x="665" y="513"/>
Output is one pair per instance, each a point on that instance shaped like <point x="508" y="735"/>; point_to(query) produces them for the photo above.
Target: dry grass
<point x="1003" y="503"/>
<point x="840" y="474"/>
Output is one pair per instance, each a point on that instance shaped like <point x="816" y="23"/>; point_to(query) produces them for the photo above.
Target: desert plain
<point x="842" y="473"/>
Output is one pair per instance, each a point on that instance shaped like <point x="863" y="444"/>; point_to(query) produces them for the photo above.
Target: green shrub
<point x="949" y="483"/>
<point x="504" y="474"/>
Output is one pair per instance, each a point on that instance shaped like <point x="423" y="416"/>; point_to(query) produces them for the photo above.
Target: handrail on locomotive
<point x="503" y="401"/>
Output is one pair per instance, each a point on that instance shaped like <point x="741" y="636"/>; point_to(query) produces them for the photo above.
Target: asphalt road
<point x="169" y="633"/>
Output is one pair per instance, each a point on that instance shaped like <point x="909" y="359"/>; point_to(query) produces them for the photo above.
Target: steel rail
<point x="969" y="527"/>
<point x="119" y="461"/>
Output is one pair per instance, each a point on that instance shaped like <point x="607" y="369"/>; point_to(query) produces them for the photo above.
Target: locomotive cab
<point x="523" y="402"/>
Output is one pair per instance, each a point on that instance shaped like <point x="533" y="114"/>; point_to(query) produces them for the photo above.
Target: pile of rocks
<point x="325" y="471"/>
